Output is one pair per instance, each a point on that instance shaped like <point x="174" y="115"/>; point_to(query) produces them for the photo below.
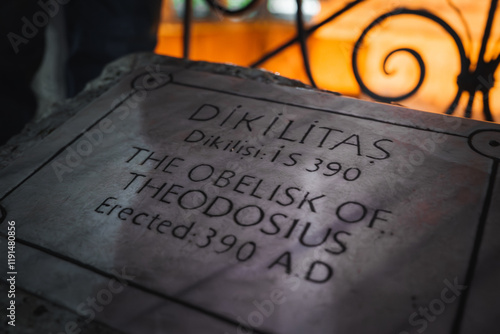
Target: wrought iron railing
<point x="474" y="77"/>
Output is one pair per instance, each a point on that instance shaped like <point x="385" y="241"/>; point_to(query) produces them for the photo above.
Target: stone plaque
<point x="184" y="201"/>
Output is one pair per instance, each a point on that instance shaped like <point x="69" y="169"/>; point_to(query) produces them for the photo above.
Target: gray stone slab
<point x="237" y="206"/>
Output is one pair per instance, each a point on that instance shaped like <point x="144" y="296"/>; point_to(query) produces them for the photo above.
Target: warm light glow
<point x="241" y="42"/>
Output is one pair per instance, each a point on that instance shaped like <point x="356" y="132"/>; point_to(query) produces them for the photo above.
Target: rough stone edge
<point x="60" y="112"/>
<point x="36" y="314"/>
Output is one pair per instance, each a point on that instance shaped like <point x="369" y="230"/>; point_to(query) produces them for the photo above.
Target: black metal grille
<point x="475" y="76"/>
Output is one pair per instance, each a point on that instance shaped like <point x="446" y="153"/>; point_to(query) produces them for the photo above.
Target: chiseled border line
<point x="472" y="260"/>
<point x="469" y="276"/>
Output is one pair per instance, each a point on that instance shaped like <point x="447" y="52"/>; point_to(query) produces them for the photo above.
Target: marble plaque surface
<point x="183" y="202"/>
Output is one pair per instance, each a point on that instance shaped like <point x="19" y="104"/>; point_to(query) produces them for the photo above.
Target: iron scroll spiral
<point x="464" y="61"/>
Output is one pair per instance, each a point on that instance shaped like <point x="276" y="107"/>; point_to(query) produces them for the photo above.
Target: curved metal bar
<point x="454" y="104"/>
<point x="309" y="31"/>
<point x="484" y="68"/>
<point x="486" y="106"/>
<point x="487" y="29"/>
<point x="464" y="61"/>
<point x="468" y="109"/>
<point x="232" y="12"/>
<point x="302" y="41"/>
<point x="486" y="90"/>
<point x="421" y="64"/>
<point x="464" y="22"/>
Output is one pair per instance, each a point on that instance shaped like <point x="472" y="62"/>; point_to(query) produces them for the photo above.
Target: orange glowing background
<point x="244" y="40"/>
